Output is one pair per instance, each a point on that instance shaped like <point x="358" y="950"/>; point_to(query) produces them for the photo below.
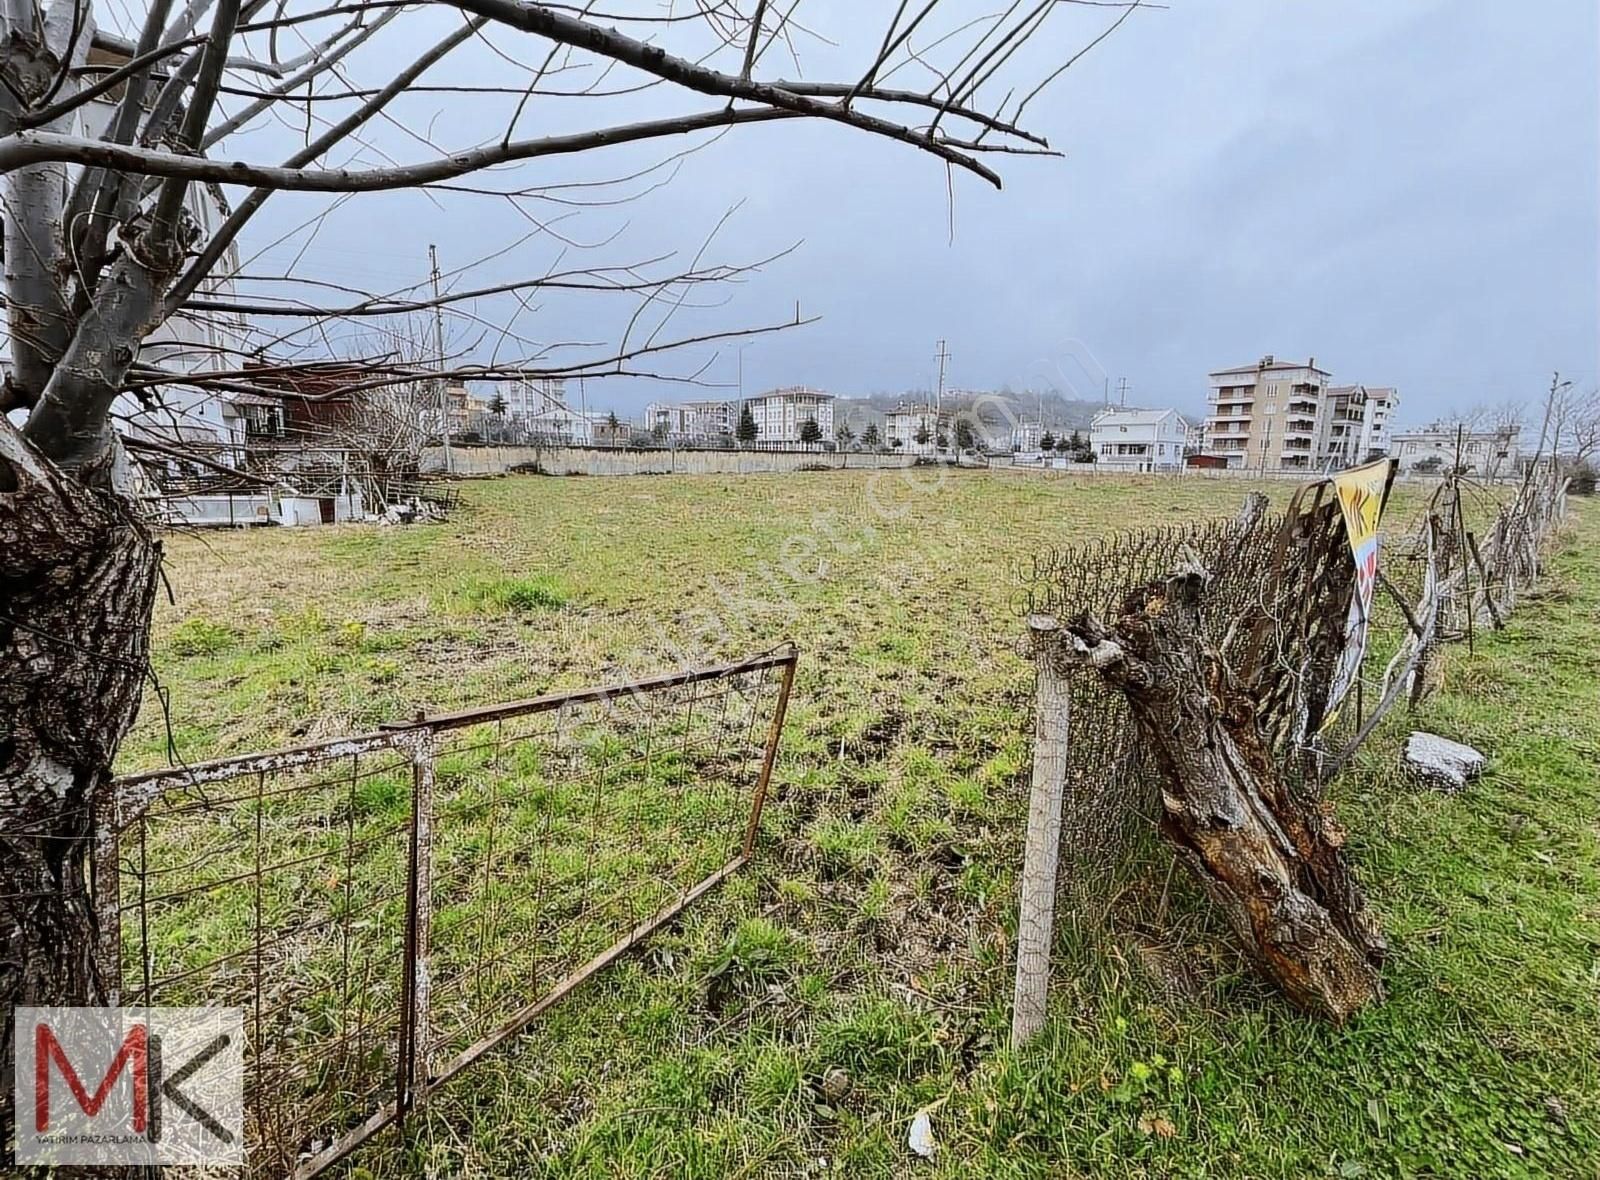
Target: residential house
<point x="673" y="423"/>
<point x="780" y="416"/>
<point x="1025" y="435"/>
<point x="1269" y="415"/>
<point x="908" y="423"/>
<point x="1445" y="446"/>
<point x="1138" y="440"/>
<point x="561" y="425"/>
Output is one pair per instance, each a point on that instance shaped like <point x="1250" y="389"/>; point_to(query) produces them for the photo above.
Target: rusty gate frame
<point x="132" y="796"/>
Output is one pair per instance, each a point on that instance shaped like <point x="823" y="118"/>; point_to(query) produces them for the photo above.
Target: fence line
<point x="1277" y="599"/>
<point x="389" y="907"/>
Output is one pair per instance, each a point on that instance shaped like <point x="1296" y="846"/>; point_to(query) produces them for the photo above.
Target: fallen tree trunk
<point x="1272" y="863"/>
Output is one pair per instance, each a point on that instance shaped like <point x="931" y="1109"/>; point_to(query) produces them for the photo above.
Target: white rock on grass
<point x="1440" y="762"/>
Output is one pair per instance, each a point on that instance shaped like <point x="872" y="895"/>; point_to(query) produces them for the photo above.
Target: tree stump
<point x="1273" y="863"/>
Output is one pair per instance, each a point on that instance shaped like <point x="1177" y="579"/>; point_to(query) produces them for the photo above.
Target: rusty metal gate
<point x="387" y="908"/>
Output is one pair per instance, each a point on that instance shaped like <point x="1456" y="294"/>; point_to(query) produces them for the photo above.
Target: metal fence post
<point x="412" y="1082"/>
<point x="1042" y="852"/>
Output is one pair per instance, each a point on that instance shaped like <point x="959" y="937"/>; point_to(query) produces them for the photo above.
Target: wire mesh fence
<point x="1277" y="606"/>
<point x="389" y="907"/>
<point x="1112" y="788"/>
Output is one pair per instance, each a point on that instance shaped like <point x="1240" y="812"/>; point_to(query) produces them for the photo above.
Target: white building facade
<point x="1354" y="424"/>
<point x="1138" y="440"/>
<point x="530" y="398"/>
<point x="1025" y="435"/>
<point x="904" y="425"/>
<point x="674" y="423"/>
<point x="1442" y="447"/>
<point x="781" y="415"/>
<point x="716" y="418"/>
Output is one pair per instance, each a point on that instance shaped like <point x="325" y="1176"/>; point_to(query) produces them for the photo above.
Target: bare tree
<point x="117" y="231"/>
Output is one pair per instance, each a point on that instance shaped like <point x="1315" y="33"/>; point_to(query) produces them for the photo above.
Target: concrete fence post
<point x="1042" y="851"/>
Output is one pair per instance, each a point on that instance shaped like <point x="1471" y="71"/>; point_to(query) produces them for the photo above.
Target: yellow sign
<point x="1362" y="492"/>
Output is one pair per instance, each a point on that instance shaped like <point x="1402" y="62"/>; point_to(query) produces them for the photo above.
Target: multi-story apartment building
<point x="1355" y="424"/>
<point x="715" y="417"/>
<point x="533" y="397"/>
<point x="781" y="415"/>
<point x="908" y="421"/>
<point x="1138" y="440"/>
<point x="1268" y="415"/>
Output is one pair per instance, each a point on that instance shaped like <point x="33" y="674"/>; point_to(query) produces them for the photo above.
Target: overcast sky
<point x="1405" y="191"/>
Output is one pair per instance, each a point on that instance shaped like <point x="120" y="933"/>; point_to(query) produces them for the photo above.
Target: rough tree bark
<point x="1274" y="865"/>
<point x="78" y="577"/>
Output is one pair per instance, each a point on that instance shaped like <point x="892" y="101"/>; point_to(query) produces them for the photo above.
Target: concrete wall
<point x="606" y="461"/>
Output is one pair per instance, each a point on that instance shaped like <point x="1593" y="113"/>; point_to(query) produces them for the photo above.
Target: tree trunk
<point x="1273" y="864"/>
<point x="78" y="575"/>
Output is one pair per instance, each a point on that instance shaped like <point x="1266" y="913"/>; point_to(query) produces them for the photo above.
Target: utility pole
<point x="938" y="407"/>
<point x="438" y="340"/>
<point x="1122" y="392"/>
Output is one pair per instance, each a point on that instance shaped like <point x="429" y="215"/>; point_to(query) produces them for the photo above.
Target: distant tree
<point x="943" y="440"/>
<point x="1075" y="443"/>
<point x="810" y="432"/>
<point x="923" y="435"/>
<point x="844" y="436"/>
<point x="870" y="437"/>
<point x="659" y="432"/>
<point x="1047" y="442"/>
<point x="746" y="432"/>
<point x="1064" y="445"/>
<point x="613" y="427"/>
<point x="896" y="443"/>
<point x="966" y="437"/>
<point x="497" y="406"/>
<point x="1429" y="465"/>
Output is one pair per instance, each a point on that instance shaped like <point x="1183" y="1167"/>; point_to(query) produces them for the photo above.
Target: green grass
<point x="873" y="934"/>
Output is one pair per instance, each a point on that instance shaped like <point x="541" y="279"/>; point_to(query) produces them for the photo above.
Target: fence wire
<point x="387" y="908"/>
<point x="1276" y="606"/>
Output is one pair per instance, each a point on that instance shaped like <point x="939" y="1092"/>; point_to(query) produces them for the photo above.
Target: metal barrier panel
<point x="387" y="908"/>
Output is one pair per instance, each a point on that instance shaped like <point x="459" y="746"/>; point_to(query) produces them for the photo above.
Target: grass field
<point x="872" y="936"/>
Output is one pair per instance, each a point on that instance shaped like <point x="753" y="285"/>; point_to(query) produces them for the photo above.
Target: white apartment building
<point x="781" y="415"/>
<point x="1138" y="440"/>
<point x="1484" y="454"/>
<point x="903" y="425"/>
<point x="1269" y="415"/>
<point x="1355" y="424"/>
<point x="715" y="417"/>
<point x="530" y="398"/>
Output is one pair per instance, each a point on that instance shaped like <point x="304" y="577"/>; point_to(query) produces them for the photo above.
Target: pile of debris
<point x="412" y="511"/>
